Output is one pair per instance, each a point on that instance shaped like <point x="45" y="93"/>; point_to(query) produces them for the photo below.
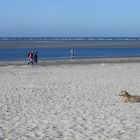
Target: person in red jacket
<point x="30" y="57"/>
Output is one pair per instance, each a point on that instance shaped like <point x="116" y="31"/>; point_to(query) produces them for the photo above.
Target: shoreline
<point x="74" y="61"/>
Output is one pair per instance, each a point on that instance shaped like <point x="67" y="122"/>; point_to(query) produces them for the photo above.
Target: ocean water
<point x="17" y="48"/>
<point x="64" y="53"/>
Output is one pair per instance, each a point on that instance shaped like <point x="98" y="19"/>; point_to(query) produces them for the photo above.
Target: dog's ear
<point x="123" y="90"/>
<point x="126" y="93"/>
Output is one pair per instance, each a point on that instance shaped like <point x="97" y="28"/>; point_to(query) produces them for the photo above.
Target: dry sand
<point x="69" y="102"/>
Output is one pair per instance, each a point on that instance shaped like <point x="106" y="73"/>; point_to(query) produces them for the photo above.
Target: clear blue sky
<point x="69" y="18"/>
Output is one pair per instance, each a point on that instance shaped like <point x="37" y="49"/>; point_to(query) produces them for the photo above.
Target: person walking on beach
<point x="30" y="57"/>
<point x="72" y="53"/>
<point x="36" y="57"/>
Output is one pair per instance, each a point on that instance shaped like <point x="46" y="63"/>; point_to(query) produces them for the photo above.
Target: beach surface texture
<point x="69" y="102"/>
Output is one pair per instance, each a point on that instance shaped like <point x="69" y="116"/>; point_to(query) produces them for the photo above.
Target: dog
<point x="129" y="98"/>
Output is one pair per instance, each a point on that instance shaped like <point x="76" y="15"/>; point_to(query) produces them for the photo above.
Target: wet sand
<point x="74" y="61"/>
<point x="70" y="44"/>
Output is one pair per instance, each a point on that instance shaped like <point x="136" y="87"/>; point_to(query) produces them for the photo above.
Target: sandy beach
<point x="69" y="102"/>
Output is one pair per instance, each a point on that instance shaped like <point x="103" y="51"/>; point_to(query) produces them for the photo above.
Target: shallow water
<point x="64" y="53"/>
<point x="59" y="48"/>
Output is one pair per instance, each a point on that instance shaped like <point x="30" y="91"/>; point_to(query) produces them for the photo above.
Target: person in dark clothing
<point x="36" y="58"/>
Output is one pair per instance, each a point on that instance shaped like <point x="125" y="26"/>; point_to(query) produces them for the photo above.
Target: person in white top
<point x="72" y="53"/>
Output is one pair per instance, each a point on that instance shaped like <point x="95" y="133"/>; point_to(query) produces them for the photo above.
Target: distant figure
<point x="72" y="53"/>
<point x="35" y="57"/>
<point x="30" y="57"/>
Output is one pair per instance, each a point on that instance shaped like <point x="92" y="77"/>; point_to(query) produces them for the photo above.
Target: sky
<point x="69" y="18"/>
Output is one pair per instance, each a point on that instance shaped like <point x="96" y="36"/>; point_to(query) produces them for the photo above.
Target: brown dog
<point x="129" y="98"/>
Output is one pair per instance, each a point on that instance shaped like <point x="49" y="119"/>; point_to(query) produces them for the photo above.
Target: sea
<point x="53" y="48"/>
